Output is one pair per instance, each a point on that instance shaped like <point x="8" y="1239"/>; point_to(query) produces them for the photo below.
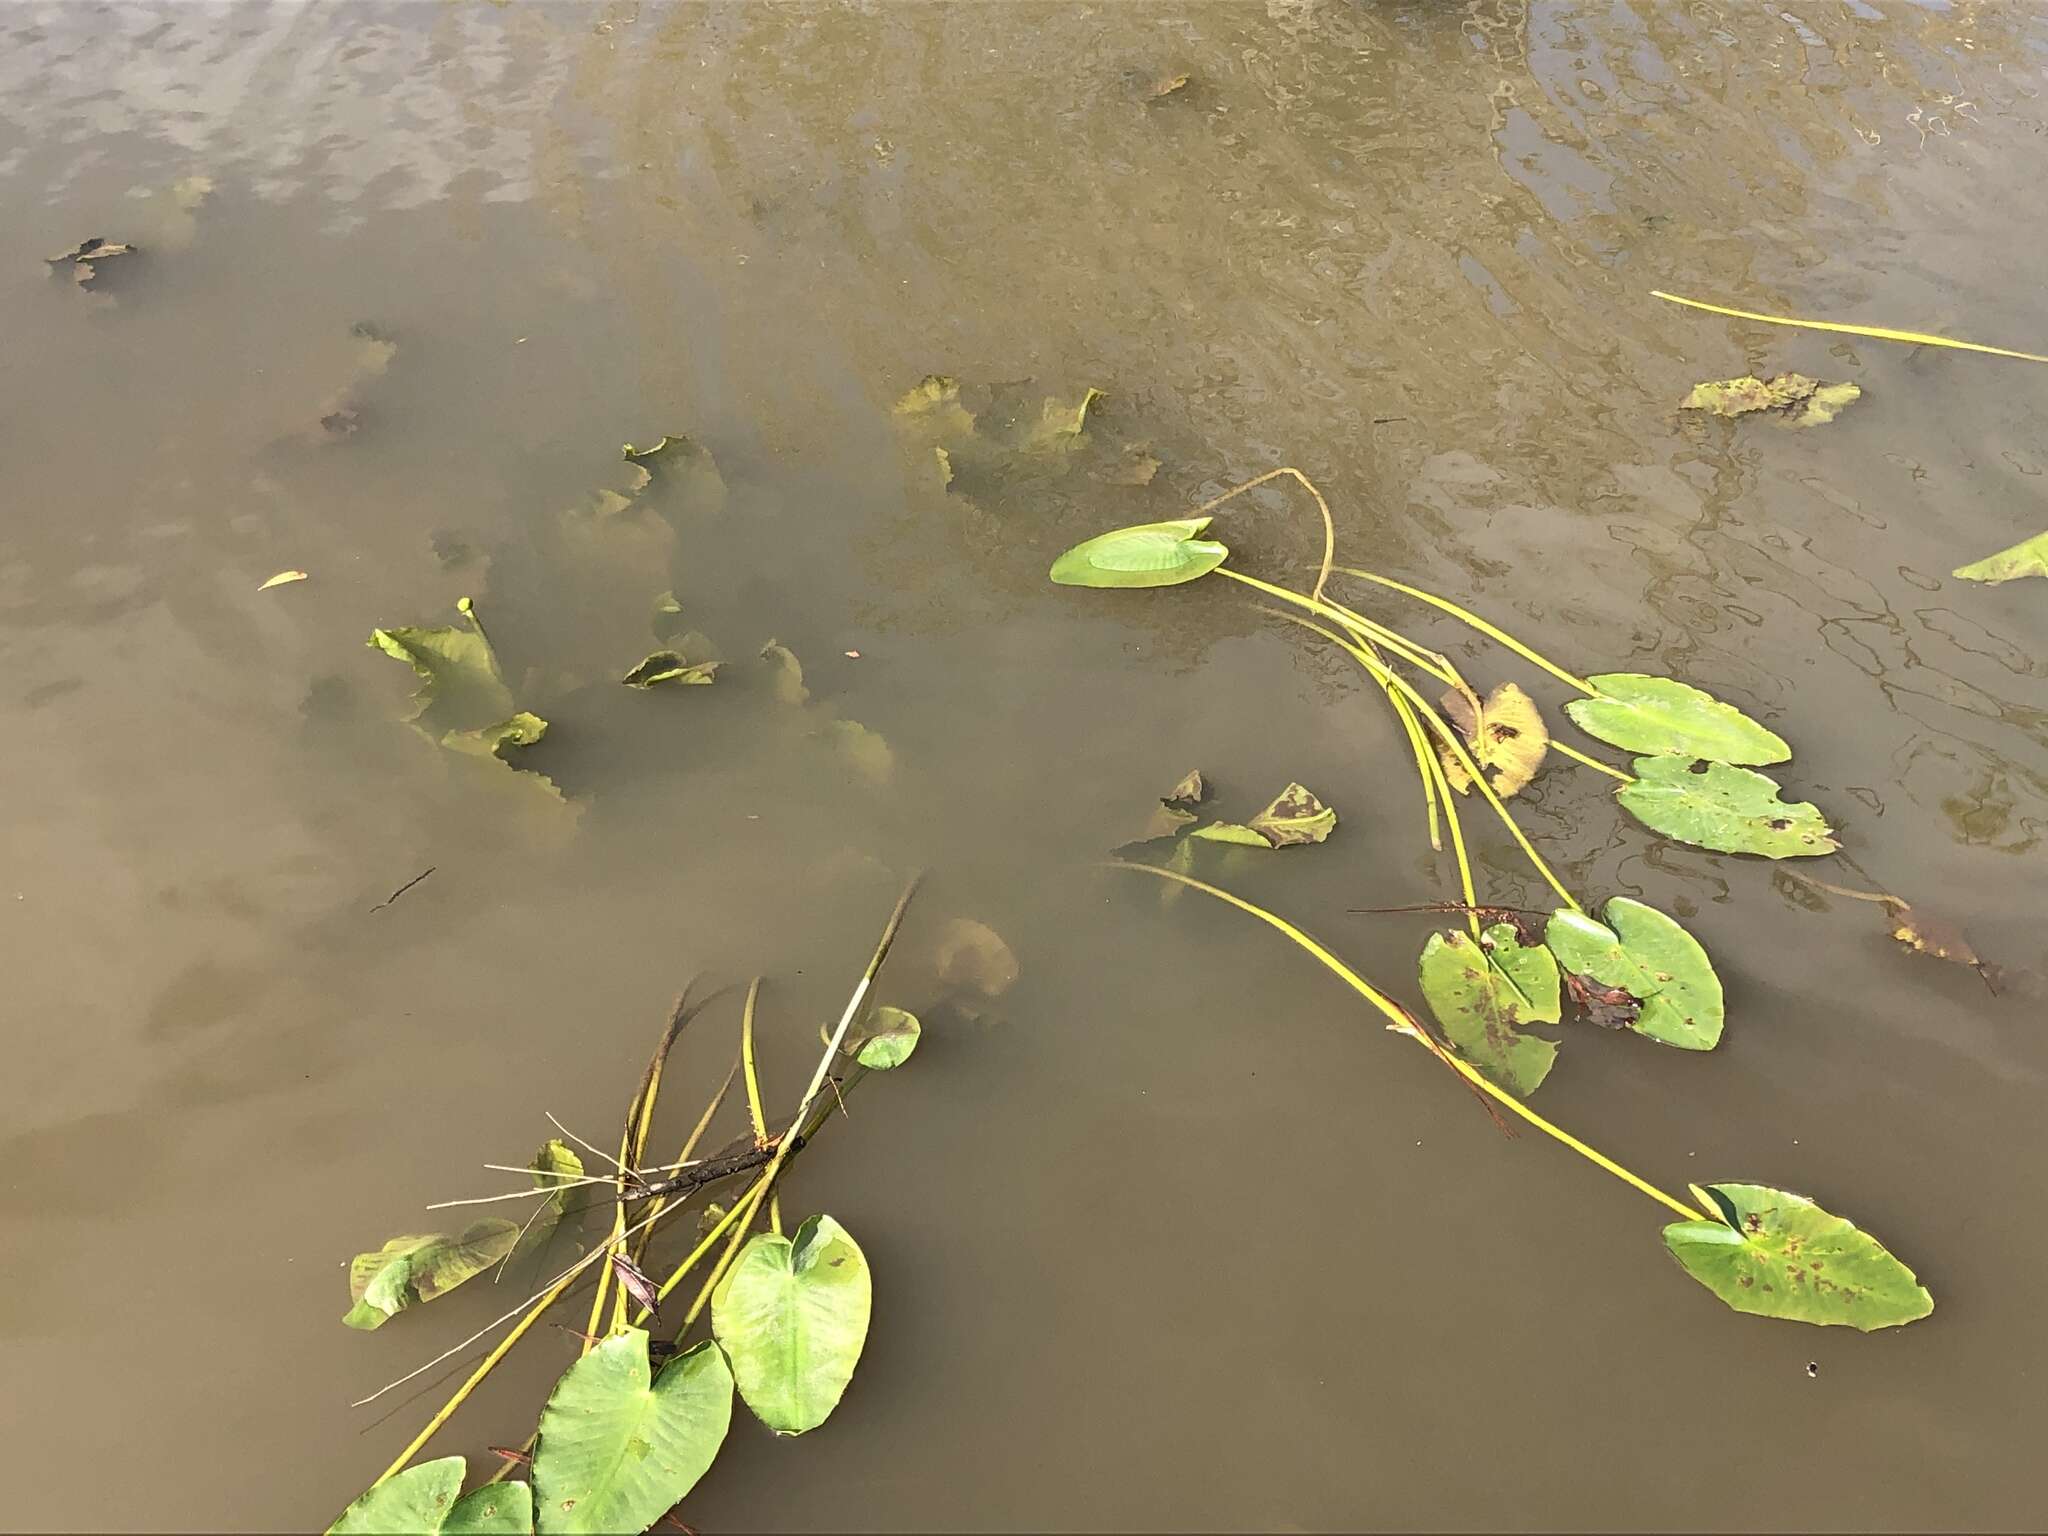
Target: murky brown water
<point x="1174" y="1238"/>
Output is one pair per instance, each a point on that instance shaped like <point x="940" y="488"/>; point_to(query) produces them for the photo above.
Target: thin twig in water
<point x="415" y="880"/>
<point x="586" y="1146"/>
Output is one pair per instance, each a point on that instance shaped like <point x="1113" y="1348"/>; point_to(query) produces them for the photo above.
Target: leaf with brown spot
<point x="1609" y="1007"/>
<point x="1296" y="816"/>
<point x="1505" y="734"/>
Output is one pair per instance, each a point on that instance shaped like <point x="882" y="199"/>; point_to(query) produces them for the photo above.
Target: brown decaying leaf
<point x="87" y="252"/>
<point x="1922" y="932"/>
<point x="1175" y="810"/>
<point x="1609" y="1007"/>
<point x="1791" y="397"/>
<point x="636" y="1284"/>
<point x="1505" y="732"/>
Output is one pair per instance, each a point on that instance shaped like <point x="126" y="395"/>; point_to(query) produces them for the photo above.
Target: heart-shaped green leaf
<point x="1660" y="714"/>
<point x="1144" y="555"/>
<point x="1650" y="957"/>
<point x="1731" y="810"/>
<point x="793" y="1315"/>
<point x="616" y="1450"/>
<point x="1780" y="1255"/>
<point x="1483" y="993"/>
<point x="421" y="1501"/>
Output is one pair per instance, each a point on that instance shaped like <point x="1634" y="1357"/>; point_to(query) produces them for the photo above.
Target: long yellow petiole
<point x="1401" y="1024"/>
<point x="1591" y="762"/>
<point x="1466" y="615"/>
<point x="1874" y="332"/>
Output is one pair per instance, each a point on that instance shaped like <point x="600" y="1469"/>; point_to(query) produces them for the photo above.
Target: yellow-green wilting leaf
<point x="789" y="673"/>
<point x="1295" y="816"/>
<point x="2029" y="557"/>
<point x="421" y="1501"/>
<point x="1777" y="1254"/>
<point x="1641" y="713"/>
<point x="934" y="405"/>
<point x="1504" y="732"/>
<point x="1728" y="809"/>
<point x="520" y="730"/>
<point x="1143" y="555"/>
<point x="885" y="1040"/>
<point x="668" y="667"/>
<point x="282" y="578"/>
<point x="866" y="751"/>
<point x="419" y="1268"/>
<point x="459" y="678"/>
<point x="792" y="1313"/>
<point x="1792" y="397"/>
<point x="556" y="1167"/>
<point x="1061" y="424"/>
<point x="1485" y="993"/>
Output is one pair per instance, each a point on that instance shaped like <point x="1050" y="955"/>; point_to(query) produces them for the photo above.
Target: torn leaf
<point x="1504" y="733"/>
<point x="934" y="405"/>
<point x="668" y="667"/>
<point x="1175" y="810"/>
<point x="87" y="254"/>
<point x="1296" y="816"/>
<point x="2029" y="557"/>
<point x="1793" y="398"/>
<point x="1727" y="809"/>
<point x="460" y="684"/>
<point x="414" y="1269"/>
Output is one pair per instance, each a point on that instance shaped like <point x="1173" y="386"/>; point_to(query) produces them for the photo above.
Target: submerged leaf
<point x="1659" y="714"/>
<point x="935" y="404"/>
<point x="789" y="673"/>
<point x="1648" y="957"/>
<point x="1793" y="397"/>
<point x="1505" y="732"/>
<point x="1731" y="810"/>
<point x="87" y="254"/>
<point x="668" y="667"/>
<point x="973" y="955"/>
<point x="793" y="1315"/>
<point x="680" y="465"/>
<point x="1926" y="934"/>
<point x="616" y="1450"/>
<point x="421" y="1501"/>
<point x="1295" y="816"/>
<point x="887" y="1040"/>
<point x="2029" y="557"/>
<point x="1483" y="993"/>
<point x="1061" y="425"/>
<point x="419" y="1268"/>
<point x="521" y="730"/>
<point x="1144" y="555"/>
<point x="867" y="751"/>
<point x="1778" y="1254"/>
<point x="1175" y="810"/>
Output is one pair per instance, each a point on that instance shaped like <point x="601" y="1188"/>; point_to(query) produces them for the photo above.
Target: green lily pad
<point x="616" y="1450"/>
<point x="2029" y="557"/>
<point x="1659" y="714"/>
<point x="1731" y="810"/>
<point x="793" y="1315"/>
<point x="1654" y="960"/>
<point x="889" y="1037"/>
<point x="421" y="1501"/>
<point x="1296" y="816"/>
<point x="669" y="667"/>
<point x="1792" y="397"/>
<point x="419" y="1268"/>
<point x="1483" y="993"/>
<point x="1144" y="555"/>
<point x="1779" y="1255"/>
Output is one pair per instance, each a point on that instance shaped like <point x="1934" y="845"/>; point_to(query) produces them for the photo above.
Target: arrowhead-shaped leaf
<point x="1484" y="993"/>
<point x="1639" y="713"/>
<point x="421" y="1501"/>
<point x="1648" y="956"/>
<point x="1731" y="810"/>
<point x="1779" y="1255"/>
<point x="1144" y="555"/>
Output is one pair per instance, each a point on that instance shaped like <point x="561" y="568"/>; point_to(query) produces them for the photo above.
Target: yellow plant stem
<point x="1491" y="631"/>
<point x="1874" y="332"/>
<point x="1400" y="1023"/>
<point x="754" y="1111"/>
<point x="1591" y="762"/>
<point x="1389" y="679"/>
<point x="689" y="1147"/>
<point x="1329" y="527"/>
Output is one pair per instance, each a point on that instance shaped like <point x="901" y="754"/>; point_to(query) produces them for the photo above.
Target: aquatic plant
<point x="635" y="1422"/>
<point x="1694" y="779"/>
